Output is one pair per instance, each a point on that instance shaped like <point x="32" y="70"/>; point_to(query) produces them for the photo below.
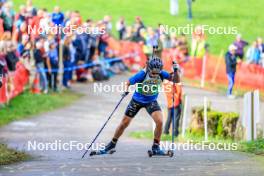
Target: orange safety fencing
<point x="14" y="83"/>
<point x="248" y="76"/>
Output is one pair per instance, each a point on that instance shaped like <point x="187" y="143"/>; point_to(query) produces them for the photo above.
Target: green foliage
<point x="8" y="156"/>
<point x="256" y="147"/>
<point x="217" y="13"/>
<point x="28" y="104"/>
<point x="191" y="137"/>
<point x="222" y="124"/>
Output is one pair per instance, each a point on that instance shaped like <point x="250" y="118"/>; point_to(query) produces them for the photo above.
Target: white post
<point x="205" y="120"/>
<point x="247" y="120"/>
<point x="174" y="7"/>
<point x="256" y="110"/>
<point x="184" y="116"/>
<point x="203" y="72"/>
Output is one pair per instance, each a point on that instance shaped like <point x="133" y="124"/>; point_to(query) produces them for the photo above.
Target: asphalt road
<point x="81" y="121"/>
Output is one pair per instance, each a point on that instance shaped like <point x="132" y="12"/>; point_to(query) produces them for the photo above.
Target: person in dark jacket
<point x="40" y="59"/>
<point x="66" y="62"/>
<point x="240" y="45"/>
<point x="231" y="63"/>
<point x="53" y="56"/>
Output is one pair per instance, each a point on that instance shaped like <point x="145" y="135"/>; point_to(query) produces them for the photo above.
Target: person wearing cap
<point x="231" y="62"/>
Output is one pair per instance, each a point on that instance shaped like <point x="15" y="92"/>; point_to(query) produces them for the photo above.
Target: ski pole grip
<point x="175" y="66"/>
<point x="125" y="94"/>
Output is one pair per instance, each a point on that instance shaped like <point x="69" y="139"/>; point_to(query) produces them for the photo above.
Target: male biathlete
<point x="148" y="83"/>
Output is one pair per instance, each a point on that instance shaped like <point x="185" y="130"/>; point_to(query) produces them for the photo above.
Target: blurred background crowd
<point x="81" y="55"/>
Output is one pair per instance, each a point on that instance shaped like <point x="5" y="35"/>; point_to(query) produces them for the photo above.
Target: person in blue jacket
<point x="231" y="63"/>
<point x="147" y="83"/>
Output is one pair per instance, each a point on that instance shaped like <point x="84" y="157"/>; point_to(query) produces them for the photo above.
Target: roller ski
<point x="156" y="151"/>
<point x="109" y="149"/>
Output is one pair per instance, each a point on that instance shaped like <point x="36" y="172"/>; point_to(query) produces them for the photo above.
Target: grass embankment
<point x="188" y="137"/>
<point x="27" y="105"/>
<point x="246" y="17"/>
<point x="9" y="156"/>
<point x="254" y="147"/>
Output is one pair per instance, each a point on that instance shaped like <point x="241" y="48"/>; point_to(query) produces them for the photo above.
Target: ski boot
<point x="109" y="149"/>
<point x="156" y="151"/>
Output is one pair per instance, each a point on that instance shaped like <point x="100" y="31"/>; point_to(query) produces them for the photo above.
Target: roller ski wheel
<point x="102" y="152"/>
<point x="150" y="153"/>
<point x="169" y="153"/>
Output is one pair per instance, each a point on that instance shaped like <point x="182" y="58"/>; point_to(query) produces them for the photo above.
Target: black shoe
<point x="156" y="150"/>
<point x="110" y="146"/>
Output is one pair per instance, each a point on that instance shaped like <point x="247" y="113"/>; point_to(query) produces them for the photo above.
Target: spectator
<point x="198" y="48"/>
<point x="66" y="62"/>
<point x="231" y="62"/>
<point x="21" y="45"/>
<point x="31" y="10"/>
<point x="253" y="54"/>
<point x="121" y="28"/>
<point x="21" y="16"/>
<point x="57" y="16"/>
<point x="240" y="44"/>
<point x="35" y="24"/>
<point x="54" y="63"/>
<point x="189" y="5"/>
<point x="40" y="60"/>
<point x="138" y="25"/>
<point x="102" y="45"/>
<point x="165" y="39"/>
<point x="261" y="48"/>
<point x="7" y="14"/>
<point x="19" y="32"/>
<point x="129" y="34"/>
<point x="142" y="37"/>
<point x="108" y="24"/>
<point x="173" y="109"/>
<point x="11" y="56"/>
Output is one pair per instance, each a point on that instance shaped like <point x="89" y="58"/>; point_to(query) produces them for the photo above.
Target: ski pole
<point x="123" y="96"/>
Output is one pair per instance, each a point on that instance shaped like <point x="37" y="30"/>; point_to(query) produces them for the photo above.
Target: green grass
<point x="188" y="137"/>
<point x="28" y="104"/>
<point x="9" y="156"/>
<point x="246" y="16"/>
<point x="24" y="106"/>
<point x="255" y="147"/>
